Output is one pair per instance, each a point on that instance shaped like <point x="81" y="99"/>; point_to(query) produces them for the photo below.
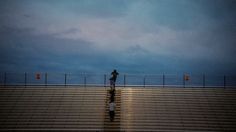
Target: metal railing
<point x="123" y="80"/>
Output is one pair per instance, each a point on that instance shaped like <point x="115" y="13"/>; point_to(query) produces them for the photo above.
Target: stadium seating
<point x="178" y="109"/>
<point x="137" y="109"/>
<point x="51" y="108"/>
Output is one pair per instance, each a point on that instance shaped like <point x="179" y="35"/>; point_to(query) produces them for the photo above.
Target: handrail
<point x="123" y="80"/>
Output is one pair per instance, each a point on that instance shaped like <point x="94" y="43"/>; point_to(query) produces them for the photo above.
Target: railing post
<point x="85" y="81"/>
<point x="46" y="79"/>
<point x="124" y="80"/>
<point x="65" y="79"/>
<point x="25" y="79"/>
<point x="184" y="80"/>
<point x="5" y="79"/>
<point x="163" y="80"/>
<point x="224" y="81"/>
<point x="204" y="81"/>
<point x="105" y="78"/>
<point x="144" y="81"/>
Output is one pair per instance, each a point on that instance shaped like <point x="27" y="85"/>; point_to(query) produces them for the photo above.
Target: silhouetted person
<point x="112" y="106"/>
<point x="114" y="75"/>
<point x="112" y="83"/>
<point x="112" y="95"/>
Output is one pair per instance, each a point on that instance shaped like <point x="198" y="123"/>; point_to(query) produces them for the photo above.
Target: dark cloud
<point x="30" y="36"/>
<point x="101" y="8"/>
<point x="21" y="49"/>
<point x="218" y="8"/>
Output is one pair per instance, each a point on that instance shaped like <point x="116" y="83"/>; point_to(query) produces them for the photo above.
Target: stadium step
<point x="137" y="109"/>
<point x="113" y="126"/>
<point x="178" y="109"/>
<point x="52" y="109"/>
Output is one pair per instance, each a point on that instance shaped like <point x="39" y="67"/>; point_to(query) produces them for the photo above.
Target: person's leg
<point x="112" y="85"/>
<point x="112" y="97"/>
<point x="110" y="113"/>
<point x="114" y="115"/>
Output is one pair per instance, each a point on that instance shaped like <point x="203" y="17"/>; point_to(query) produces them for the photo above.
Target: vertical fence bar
<point x="25" y="79"/>
<point x="184" y="80"/>
<point x="163" y="80"/>
<point x="46" y="79"/>
<point x="85" y="83"/>
<point x="105" y="78"/>
<point x="224" y="81"/>
<point x="5" y="79"/>
<point x="124" y="80"/>
<point x="204" y="80"/>
<point x="144" y="81"/>
<point x="65" y="79"/>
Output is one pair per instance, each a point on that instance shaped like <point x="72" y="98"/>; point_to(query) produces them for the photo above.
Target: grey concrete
<point x="139" y="109"/>
<point x="178" y="109"/>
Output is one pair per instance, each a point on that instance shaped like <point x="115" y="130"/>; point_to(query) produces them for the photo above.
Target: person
<point x="112" y="94"/>
<point x="112" y="83"/>
<point x="114" y="75"/>
<point x="112" y="106"/>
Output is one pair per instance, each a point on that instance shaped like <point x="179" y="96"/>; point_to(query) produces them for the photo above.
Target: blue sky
<point x="132" y="36"/>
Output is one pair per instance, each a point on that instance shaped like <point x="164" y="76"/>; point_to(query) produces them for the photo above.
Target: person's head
<point x="114" y="70"/>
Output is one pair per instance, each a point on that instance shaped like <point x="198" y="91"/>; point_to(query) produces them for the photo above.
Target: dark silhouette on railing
<point x="114" y="75"/>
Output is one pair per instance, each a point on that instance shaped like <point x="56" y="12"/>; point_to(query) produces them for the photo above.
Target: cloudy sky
<point x="132" y="36"/>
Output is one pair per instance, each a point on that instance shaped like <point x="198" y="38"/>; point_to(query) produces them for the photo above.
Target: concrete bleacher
<point x="77" y="109"/>
<point x="138" y="109"/>
<point x="178" y="109"/>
